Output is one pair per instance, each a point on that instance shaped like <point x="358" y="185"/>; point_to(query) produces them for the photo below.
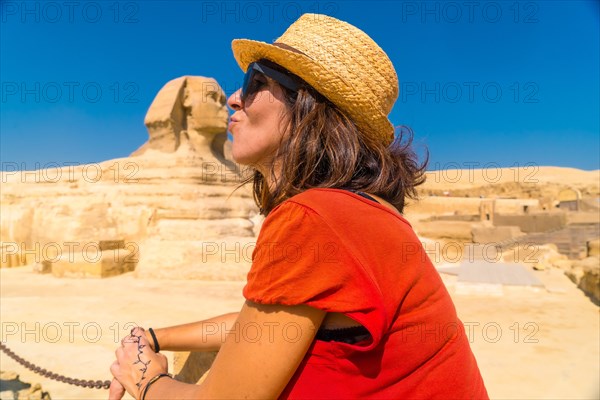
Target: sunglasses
<point x="252" y="81"/>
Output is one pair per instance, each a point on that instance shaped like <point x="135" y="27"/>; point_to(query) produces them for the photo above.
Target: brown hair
<point x="325" y="149"/>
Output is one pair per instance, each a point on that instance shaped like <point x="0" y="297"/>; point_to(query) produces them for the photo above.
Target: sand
<point x="529" y="343"/>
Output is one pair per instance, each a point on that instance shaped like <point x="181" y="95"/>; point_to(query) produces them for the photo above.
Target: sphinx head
<point x="205" y="104"/>
<point x="188" y="111"/>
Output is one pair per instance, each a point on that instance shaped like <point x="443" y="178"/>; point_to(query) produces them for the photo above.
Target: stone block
<point x="534" y="222"/>
<point x="14" y="388"/>
<point x="111" y="244"/>
<point x="455" y="230"/>
<point x="13" y="255"/>
<point x="593" y="248"/>
<point x="43" y="267"/>
<point x="563" y="264"/>
<point x="495" y="234"/>
<point x="107" y="263"/>
<point x="586" y="274"/>
<point x="590" y="282"/>
<point x="583" y="217"/>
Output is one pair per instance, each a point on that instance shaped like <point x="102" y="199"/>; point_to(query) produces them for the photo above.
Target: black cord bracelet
<point x="157" y="377"/>
<point x="156" y="346"/>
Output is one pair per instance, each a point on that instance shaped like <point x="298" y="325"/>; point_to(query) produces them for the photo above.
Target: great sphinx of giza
<point x="173" y="202"/>
<point x="187" y="128"/>
<point x="188" y="114"/>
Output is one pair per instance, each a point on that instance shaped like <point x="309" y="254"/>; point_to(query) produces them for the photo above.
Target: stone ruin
<point x="559" y="231"/>
<point x="13" y="388"/>
<point x="171" y="210"/>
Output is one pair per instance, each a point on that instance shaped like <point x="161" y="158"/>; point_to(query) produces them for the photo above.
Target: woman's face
<point x="258" y="124"/>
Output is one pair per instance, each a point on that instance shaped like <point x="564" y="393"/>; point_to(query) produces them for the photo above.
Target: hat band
<point x="288" y="47"/>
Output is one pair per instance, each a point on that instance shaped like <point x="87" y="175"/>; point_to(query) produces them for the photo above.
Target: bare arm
<point x="257" y="360"/>
<point x="206" y="335"/>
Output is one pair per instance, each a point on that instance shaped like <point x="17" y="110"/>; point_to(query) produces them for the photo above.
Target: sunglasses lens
<point x="252" y="83"/>
<point x="247" y="80"/>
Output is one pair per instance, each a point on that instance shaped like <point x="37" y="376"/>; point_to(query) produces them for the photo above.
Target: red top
<point x="339" y="252"/>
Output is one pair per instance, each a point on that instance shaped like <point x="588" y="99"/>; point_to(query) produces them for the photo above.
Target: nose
<point x="235" y="100"/>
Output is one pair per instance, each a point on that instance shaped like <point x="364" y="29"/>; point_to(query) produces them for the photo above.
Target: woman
<point x="342" y="300"/>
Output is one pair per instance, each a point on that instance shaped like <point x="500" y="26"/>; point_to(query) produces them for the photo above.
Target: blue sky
<point x="498" y="83"/>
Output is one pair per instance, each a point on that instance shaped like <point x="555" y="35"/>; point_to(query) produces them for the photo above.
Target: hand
<point x="150" y="340"/>
<point x="136" y="363"/>
<point x="116" y="390"/>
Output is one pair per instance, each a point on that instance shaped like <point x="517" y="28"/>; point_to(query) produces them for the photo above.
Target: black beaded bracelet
<point x="156" y="346"/>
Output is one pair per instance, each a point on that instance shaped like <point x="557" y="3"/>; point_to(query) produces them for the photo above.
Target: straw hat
<point x="340" y="61"/>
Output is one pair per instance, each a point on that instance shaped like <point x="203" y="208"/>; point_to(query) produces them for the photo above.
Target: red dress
<point x="339" y="252"/>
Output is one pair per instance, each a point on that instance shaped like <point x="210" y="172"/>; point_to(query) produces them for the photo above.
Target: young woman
<point x="341" y="300"/>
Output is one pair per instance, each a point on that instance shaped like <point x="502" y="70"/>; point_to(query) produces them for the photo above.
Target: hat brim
<point x="247" y="51"/>
<point x="333" y="87"/>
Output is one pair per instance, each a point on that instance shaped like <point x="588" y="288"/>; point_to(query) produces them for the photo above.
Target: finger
<point x="138" y="330"/>
<point x="116" y="391"/>
<point x="119" y="353"/>
<point x="114" y="368"/>
<point x="133" y="348"/>
<point x="136" y="335"/>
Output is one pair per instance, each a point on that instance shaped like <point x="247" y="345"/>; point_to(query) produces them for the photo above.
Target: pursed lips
<point x="231" y="122"/>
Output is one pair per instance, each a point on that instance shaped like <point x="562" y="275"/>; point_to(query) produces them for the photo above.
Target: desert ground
<point x="530" y="343"/>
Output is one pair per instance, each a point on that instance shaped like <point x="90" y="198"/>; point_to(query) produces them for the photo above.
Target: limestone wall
<point x="163" y="218"/>
<point x="468" y="205"/>
<point x="532" y="222"/>
<point x="173" y="204"/>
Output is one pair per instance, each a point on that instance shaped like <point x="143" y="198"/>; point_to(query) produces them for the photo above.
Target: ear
<point x="165" y="118"/>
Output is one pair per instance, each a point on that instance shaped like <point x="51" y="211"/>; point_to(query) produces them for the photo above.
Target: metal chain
<point x="48" y="374"/>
